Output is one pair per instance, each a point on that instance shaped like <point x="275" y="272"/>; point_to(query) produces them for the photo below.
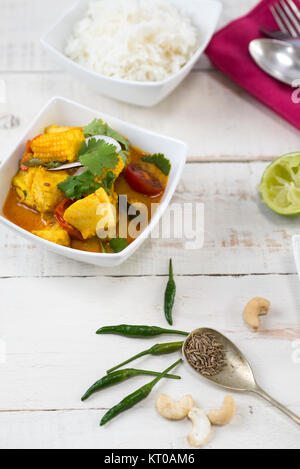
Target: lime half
<point x="280" y="185"/>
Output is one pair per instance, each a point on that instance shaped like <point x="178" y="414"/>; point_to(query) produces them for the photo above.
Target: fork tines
<point x="287" y="16"/>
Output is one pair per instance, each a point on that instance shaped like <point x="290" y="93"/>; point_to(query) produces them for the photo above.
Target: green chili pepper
<point x="138" y="331"/>
<point x="170" y="295"/>
<point x="135" y="397"/>
<point x="36" y="162"/>
<point x="157" y="349"/>
<point x="118" y="377"/>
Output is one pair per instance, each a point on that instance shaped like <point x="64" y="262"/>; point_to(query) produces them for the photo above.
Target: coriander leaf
<point x="108" y="180"/>
<point x="118" y="244"/>
<point x="85" y="147"/>
<point x="114" y="134"/>
<point x="160" y="161"/>
<point x="76" y="186"/>
<point x="96" y="127"/>
<point x="99" y="127"/>
<point x="98" y="156"/>
<point x="124" y="155"/>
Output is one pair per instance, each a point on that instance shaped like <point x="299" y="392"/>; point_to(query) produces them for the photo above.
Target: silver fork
<point x="287" y="16"/>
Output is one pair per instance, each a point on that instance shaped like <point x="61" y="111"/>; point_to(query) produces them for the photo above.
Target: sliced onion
<point x="81" y="170"/>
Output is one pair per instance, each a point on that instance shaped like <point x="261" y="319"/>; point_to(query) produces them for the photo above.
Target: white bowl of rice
<point x="137" y="51"/>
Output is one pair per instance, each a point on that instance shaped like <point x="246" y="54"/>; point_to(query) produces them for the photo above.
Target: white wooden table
<point x="51" y="306"/>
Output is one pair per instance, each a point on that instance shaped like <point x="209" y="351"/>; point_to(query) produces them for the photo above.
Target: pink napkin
<point x="228" y="51"/>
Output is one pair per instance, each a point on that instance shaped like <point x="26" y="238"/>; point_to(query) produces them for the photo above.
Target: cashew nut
<point x="255" y="308"/>
<point x="224" y="415"/>
<point x="174" y="410"/>
<point x="201" y="428"/>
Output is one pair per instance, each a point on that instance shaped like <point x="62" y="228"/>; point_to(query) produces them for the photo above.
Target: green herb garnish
<point x="118" y="244"/>
<point x="102" y="247"/>
<point x="98" y="156"/>
<point x="76" y="186"/>
<point x="99" y="127"/>
<point x="160" y="161"/>
<point x="108" y="180"/>
<point x="124" y="155"/>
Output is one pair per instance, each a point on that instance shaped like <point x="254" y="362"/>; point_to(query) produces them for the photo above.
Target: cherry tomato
<point x="143" y="181"/>
<point x="59" y="216"/>
<point x="28" y="154"/>
<point x="25" y="156"/>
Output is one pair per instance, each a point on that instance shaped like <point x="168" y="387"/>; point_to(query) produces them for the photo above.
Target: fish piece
<point x="37" y="188"/>
<point x="55" y="234"/>
<point x="95" y="212"/>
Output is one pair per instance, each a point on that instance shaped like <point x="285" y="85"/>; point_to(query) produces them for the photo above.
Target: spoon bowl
<point x="277" y="58"/>
<point x="237" y="375"/>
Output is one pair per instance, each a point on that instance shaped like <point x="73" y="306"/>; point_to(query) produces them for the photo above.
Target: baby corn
<point x="54" y="129"/>
<point x="61" y="146"/>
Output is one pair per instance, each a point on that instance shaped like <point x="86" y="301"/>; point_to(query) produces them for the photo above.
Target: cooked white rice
<point x="142" y="40"/>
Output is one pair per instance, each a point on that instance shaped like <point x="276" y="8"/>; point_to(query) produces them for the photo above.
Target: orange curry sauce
<point x="31" y="220"/>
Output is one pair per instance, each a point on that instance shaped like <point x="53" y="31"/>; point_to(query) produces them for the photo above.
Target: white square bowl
<point x="205" y="15"/>
<point x="62" y="112"/>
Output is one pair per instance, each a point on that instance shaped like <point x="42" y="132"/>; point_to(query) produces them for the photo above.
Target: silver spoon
<point x="237" y="374"/>
<point x="77" y="164"/>
<point x="279" y="59"/>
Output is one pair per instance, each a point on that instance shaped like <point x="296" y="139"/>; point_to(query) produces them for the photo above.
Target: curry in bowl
<point x="70" y="183"/>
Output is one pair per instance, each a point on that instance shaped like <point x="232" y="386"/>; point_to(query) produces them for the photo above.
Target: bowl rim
<point x="142" y="84"/>
<point x="129" y="250"/>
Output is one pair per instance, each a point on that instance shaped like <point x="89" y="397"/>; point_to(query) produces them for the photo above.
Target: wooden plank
<point x="23" y="23"/>
<point x="242" y="236"/>
<point x="197" y="112"/>
<point x="254" y="427"/>
<point x="53" y="354"/>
